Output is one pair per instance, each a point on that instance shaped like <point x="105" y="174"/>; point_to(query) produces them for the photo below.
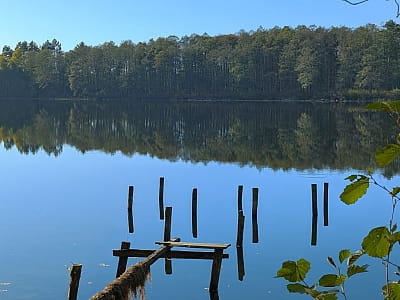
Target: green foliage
<point x="387" y="155"/>
<point x="354" y="269"/>
<point x="376" y="243"/>
<point x="331" y="280"/>
<point x="294" y="271"/>
<point x="354" y="191"/>
<point x="344" y="254"/>
<point x="391" y="291"/>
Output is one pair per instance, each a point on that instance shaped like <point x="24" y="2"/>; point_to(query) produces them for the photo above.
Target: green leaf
<point x="395" y="191"/>
<point x="297" y="288"/>
<point x="344" y="254"/>
<point x="294" y="271"/>
<point x="328" y="297"/>
<point x="385" y="106"/>
<point x="391" y="291"/>
<point x="354" y="269"/>
<point x="354" y="257"/>
<point x="394" y="237"/>
<point x="387" y="155"/>
<point x="376" y="243"/>
<point x="394" y="228"/>
<point x="355" y="190"/>
<point x="351" y="177"/>
<point x="331" y="280"/>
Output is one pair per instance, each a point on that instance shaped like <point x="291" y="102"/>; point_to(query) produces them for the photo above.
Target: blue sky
<point x="95" y="22"/>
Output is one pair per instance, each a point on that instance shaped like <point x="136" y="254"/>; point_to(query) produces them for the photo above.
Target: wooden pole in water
<point x="314" y="231"/>
<point x="123" y="260"/>
<point x="161" y="198"/>
<point x="326" y="205"/>
<point x="216" y="269"/>
<point x="75" y="276"/>
<point x="254" y="215"/>
<point x="167" y="237"/>
<point x="314" y="200"/>
<point x="240" y="198"/>
<point x="240" y="230"/>
<point x="240" y="263"/>
<point x="194" y="213"/>
<point x="130" y="209"/>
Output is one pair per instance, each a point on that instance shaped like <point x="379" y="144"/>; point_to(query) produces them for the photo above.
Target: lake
<point x="66" y="167"/>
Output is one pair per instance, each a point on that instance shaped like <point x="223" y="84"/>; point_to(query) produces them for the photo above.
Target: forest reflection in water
<point x="278" y="135"/>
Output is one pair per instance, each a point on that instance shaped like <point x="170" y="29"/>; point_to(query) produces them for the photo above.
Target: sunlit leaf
<point x="354" y="269"/>
<point x="344" y="254"/>
<point x="328" y="297"/>
<point x="331" y="280"/>
<point x="391" y="291"/>
<point x="355" y="190"/>
<point x="385" y="106"/>
<point x="376" y="243"/>
<point x="297" y="288"/>
<point x="395" y="191"/>
<point x="387" y="155"/>
<point x="394" y="237"/>
<point x="354" y="257"/>
<point x="294" y="271"/>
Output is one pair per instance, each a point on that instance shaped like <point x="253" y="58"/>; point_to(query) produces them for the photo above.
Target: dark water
<point x="66" y="168"/>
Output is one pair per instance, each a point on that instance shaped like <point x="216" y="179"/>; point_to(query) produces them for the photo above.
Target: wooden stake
<point x="254" y="215"/>
<point x="194" y="213"/>
<point x="161" y="198"/>
<point x="123" y="260"/>
<point x="314" y="199"/>
<point x="240" y="198"/>
<point x="167" y="237"/>
<point x="326" y="205"/>
<point x="240" y="263"/>
<point x="240" y="230"/>
<point x="130" y="209"/>
<point x="74" y="281"/>
<point x="314" y="231"/>
<point x="216" y="269"/>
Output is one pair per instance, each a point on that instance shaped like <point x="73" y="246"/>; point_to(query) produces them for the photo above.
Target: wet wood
<point x="75" y="276"/>
<point x="326" y="204"/>
<point x="123" y="260"/>
<point x="314" y="199"/>
<point x="173" y="254"/>
<point x="240" y="263"/>
<point x="314" y="228"/>
<point x="240" y="229"/>
<point x="161" y="198"/>
<point x="194" y="245"/>
<point x="194" y="213"/>
<point x="216" y="269"/>
<point x="240" y="198"/>
<point x="130" y="210"/>
<point x="254" y="215"/>
<point x="167" y="237"/>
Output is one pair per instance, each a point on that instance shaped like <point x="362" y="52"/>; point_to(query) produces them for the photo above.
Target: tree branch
<point x="356" y="3"/>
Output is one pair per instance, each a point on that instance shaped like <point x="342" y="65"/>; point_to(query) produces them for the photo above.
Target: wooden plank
<point x="194" y="245"/>
<point x="159" y="253"/>
<point x="130" y="209"/>
<point x="161" y="198"/>
<point x="173" y="254"/>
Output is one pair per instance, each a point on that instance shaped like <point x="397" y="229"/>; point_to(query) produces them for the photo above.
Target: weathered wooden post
<point x="161" y="198"/>
<point x="240" y="230"/>
<point x="240" y="198"/>
<point x="123" y="260"/>
<point x="75" y="276"/>
<point x="326" y="205"/>
<point x="167" y="237"/>
<point x="314" y="199"/>
<point x="130" y="209"/>
<point x="254" y="215"/>
<point x="240" y="263"/>
<point x="216" y="269"/>
<point x="314" y="231"/>
<point x="194" y="213"/>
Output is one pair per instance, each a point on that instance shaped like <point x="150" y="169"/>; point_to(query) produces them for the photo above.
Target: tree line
<point x="278" y="135"/>
<point x="279" y="63"/>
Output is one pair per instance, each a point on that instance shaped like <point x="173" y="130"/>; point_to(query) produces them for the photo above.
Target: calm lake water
<point x="66" y="167"/>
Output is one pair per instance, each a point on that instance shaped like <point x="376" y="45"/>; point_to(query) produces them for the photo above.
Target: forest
<point x="279" y="135"/>
<point x="312" y="62"/>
